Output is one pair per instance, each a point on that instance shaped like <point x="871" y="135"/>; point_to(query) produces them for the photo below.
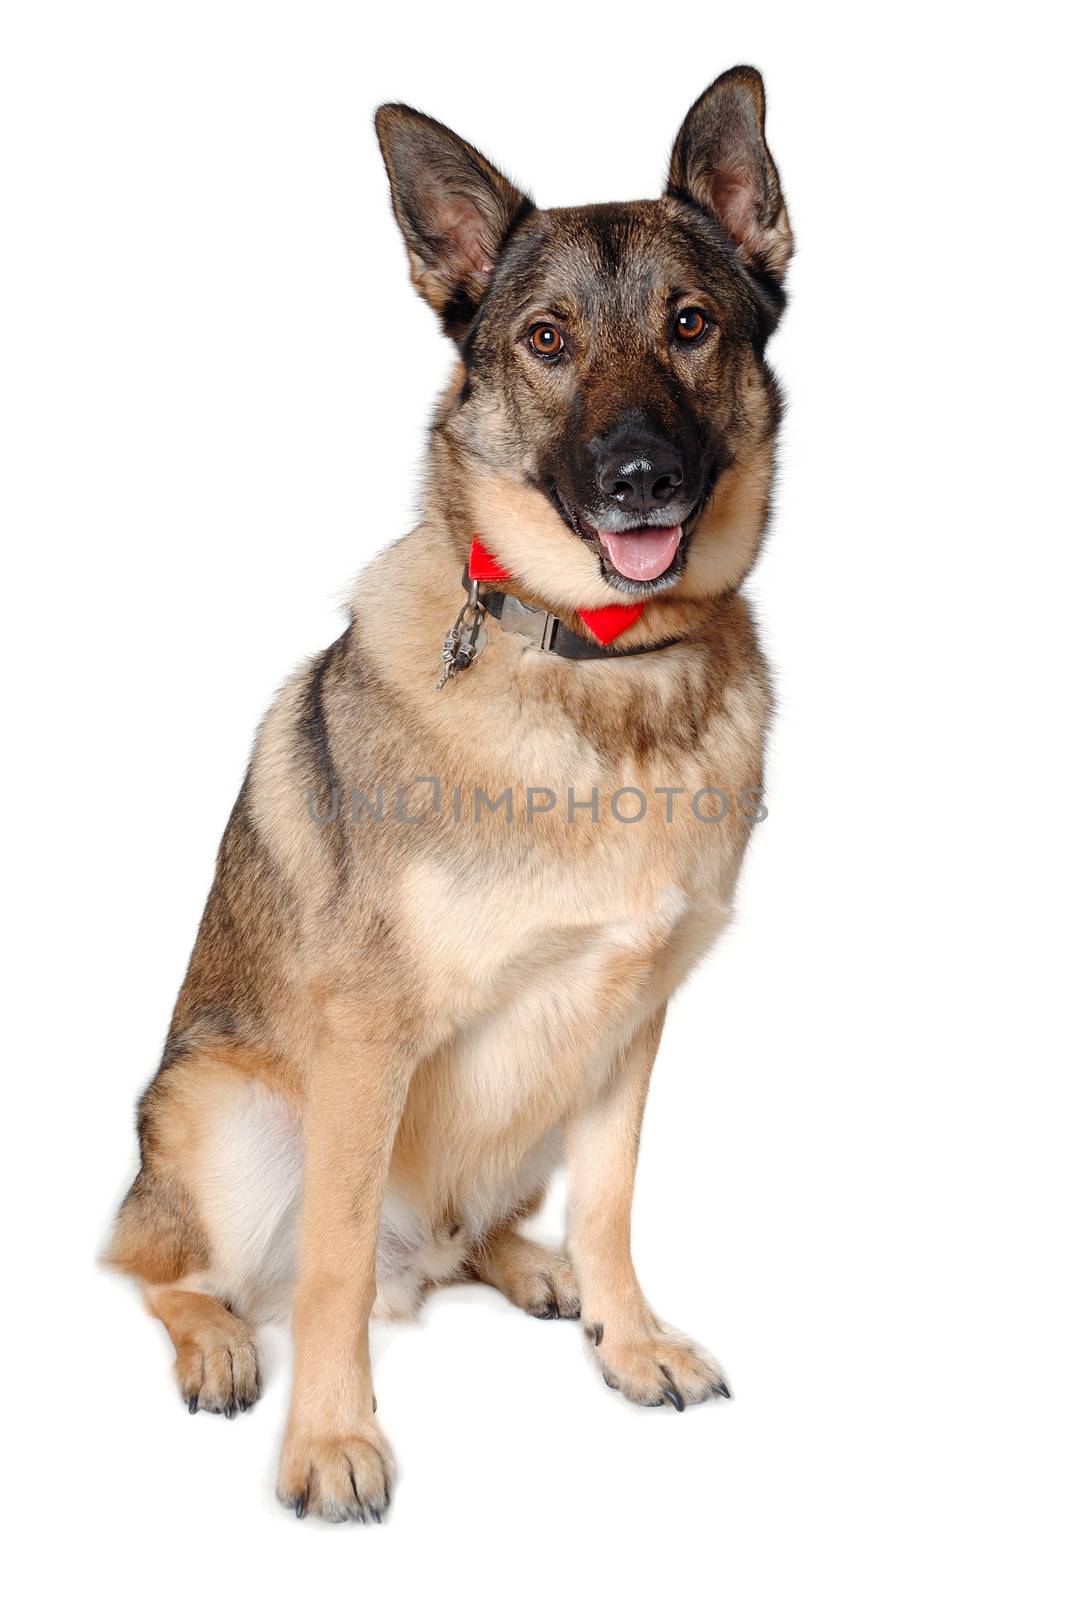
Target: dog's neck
<point x="407" y="600"/>
<point x="605" y="629"/>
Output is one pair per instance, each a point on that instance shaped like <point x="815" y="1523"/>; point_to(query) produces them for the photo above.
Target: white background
<point x="215" y="386"/>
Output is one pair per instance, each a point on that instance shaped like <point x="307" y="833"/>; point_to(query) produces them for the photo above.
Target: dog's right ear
<point x="454" y="209"/>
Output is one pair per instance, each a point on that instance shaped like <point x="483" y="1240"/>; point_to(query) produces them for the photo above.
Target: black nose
<point x="641" y="477"/>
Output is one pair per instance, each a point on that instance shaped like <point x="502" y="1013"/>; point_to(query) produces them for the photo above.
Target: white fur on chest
<point x="482" y="937"/>
<point x="537" y="979"/>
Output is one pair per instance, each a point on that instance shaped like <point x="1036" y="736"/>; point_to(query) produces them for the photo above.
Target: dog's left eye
<point x="546" y="341"/>
<point x="690" y="325"/>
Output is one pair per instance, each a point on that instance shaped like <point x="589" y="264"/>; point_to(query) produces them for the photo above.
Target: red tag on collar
<point x="605" y="623"/>
<point x="608" y="622"/>
<point x="484" y="567"/>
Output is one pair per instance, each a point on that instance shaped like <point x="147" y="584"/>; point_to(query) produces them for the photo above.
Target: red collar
<point x="605" y="623"/>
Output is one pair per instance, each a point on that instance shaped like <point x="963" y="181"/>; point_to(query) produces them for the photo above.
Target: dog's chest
<point x="577" y="908"/>
<point x="538" y="975"/>
<point x="541" y="935"/>
<point x="579" y="922"/>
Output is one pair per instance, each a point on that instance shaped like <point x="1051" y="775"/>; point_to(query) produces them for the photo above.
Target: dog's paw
<point x="660" y="1369"/>
<point x="540" y="1282"/>
<point x="546" y="1288"/>
<point x="219" y="1373"/>
<point x="341" y="1479"/>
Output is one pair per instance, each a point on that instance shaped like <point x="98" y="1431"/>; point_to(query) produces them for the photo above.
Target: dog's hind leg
<point x="538" y="1281"/>
<point x="216" y="1360"/>
<point x="208" y="1227"/>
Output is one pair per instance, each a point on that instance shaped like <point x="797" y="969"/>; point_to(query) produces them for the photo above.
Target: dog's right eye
<point x="546" y="341"/>
<point x="690" y="325"/>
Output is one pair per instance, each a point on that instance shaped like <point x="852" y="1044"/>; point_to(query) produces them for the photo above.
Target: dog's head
<point x="612" y="423"/>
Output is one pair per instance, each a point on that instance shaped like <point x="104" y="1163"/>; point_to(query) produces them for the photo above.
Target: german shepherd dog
<point x="413" y="990"/>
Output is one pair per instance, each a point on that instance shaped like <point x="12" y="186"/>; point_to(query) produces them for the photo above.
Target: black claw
<point x="242" y="1404"/>
<point x="721" y="1387"/>
<point x="355" y="1495"/>
<point x="549" y="1310"/>
<point x="375" y="1513"/>
<point x="230" y="1411"/>
<point x="595" y="1331"/>
<point x="194" y="1404"/>
<point x="670" y="1392"/>
<point x="300" y="1505"/>
<point x="610" y="1382"/>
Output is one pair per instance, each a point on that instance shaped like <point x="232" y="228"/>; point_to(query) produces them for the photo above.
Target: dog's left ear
<point x="454" y="209"/>
<point x="721" y="163"/>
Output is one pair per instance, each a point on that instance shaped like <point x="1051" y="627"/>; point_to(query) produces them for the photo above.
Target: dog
<point x="475" y="853"/>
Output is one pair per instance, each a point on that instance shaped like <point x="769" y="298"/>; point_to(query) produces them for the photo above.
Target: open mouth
<point x="644" y="560"/>
<point x="636" y="560"/>
<point x="641" y="554"/>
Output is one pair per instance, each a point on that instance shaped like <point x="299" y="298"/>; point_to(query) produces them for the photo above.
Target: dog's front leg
<point x="638" y="1355"/>
<point x="335" y="1460"/>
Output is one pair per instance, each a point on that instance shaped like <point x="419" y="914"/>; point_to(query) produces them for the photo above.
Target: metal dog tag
<point x="465" y="640"/>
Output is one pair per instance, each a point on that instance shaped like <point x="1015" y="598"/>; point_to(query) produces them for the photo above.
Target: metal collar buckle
<point x="537" y="626"/>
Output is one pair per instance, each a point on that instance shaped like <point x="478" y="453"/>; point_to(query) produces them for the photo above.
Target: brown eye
<point x="546" y="341"/>
<point x="690" y="325"/>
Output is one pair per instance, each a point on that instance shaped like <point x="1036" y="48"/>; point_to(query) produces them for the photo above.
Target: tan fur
<point x="216" y="1360"/>
<point x="535" y="1279"/>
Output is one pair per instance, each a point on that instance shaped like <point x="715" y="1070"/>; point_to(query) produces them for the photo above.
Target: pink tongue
<point x="643" y="554"/>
